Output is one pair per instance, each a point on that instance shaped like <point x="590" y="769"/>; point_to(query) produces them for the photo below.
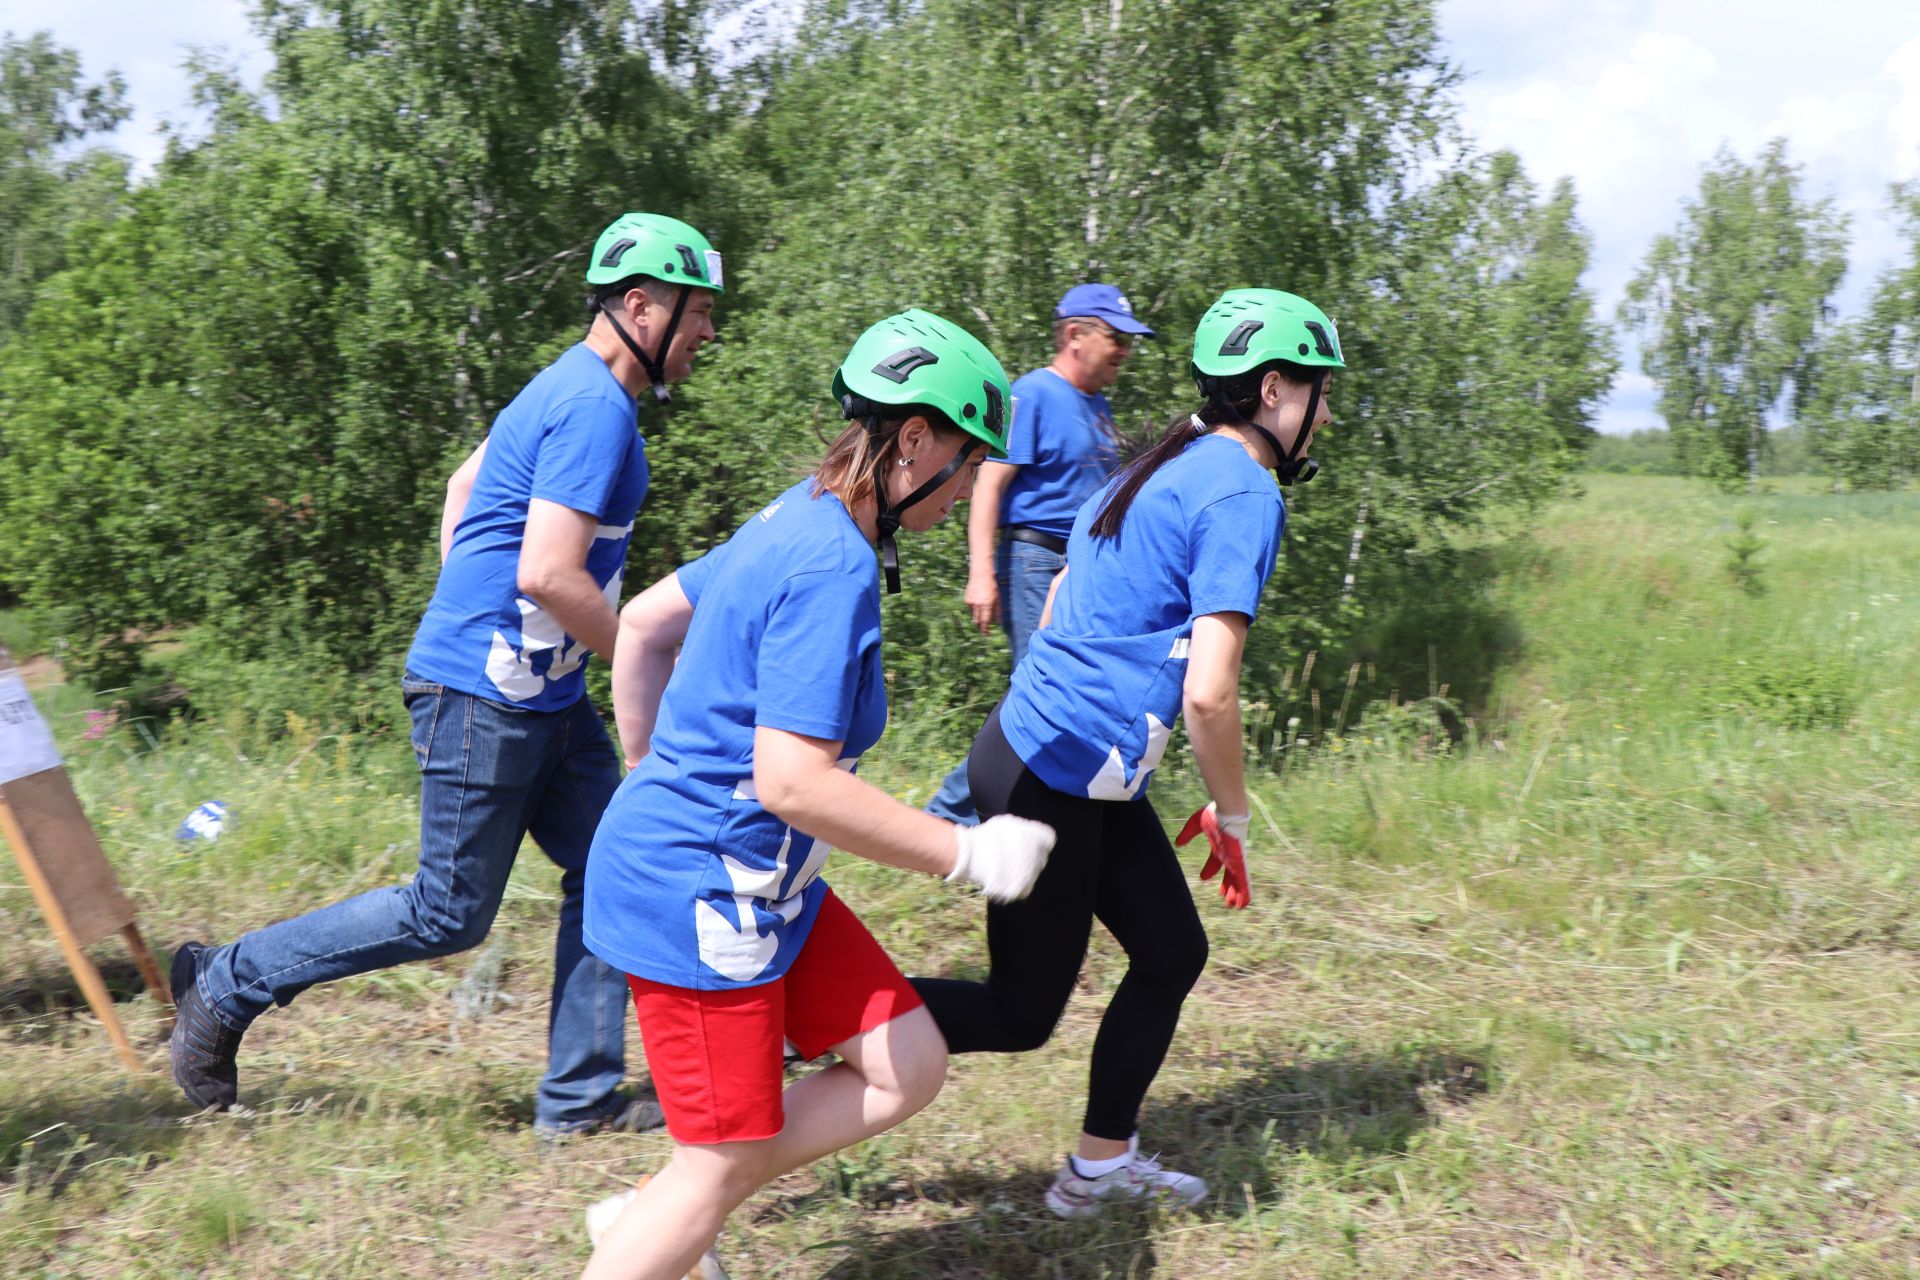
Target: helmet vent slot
<point x="1321" y="342"/>
<point x="899" y="366"/>
<point x="1236" y="343"/>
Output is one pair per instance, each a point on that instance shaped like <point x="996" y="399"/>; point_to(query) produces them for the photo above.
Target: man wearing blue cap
<point x="1060" y="450"/>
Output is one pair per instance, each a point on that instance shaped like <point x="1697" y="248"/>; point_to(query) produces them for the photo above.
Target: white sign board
<point x="26" y="745"/>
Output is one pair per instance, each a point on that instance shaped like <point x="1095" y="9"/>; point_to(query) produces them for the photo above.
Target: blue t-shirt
<point x="571" y="437"/>
<point x="690" y="882"/>
<point x="1093" y="703"/>
<point x="1062" y="441"/>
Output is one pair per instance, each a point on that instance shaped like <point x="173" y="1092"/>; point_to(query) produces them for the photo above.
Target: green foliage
<point x="1743" y="556"/>
<point x="1262" y="144"/>
<point x="1728" y="307"/>
<point x="336" y="299"/>
<point x="23" y="631"/>
<point x="1638" y="453"/>
<point x="1865" y="417"/>
<point x="1805" y="693"/>
<point x="339" y="293"/>
<point x="1422" y="726"/>
<point x="45" y="185"/>
<point x="1789" y="452"/>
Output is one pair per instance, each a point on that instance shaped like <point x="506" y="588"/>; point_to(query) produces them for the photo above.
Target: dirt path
<point x="39" y="671"/>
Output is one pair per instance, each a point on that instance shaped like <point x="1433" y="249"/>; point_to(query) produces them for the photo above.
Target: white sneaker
<point x="1141" y="1178"/>
<point x="600" y="1217"/>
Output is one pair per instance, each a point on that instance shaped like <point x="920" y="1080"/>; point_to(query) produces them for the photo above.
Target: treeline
<point x="1736" y="328"/>
<point x="1651" y="452"/>
<point x="230" y="393"/>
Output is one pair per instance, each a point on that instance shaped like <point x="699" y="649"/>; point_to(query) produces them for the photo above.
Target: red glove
<point x="1227" y="857"/>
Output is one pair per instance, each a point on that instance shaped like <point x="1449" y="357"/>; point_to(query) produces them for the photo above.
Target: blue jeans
<point x="490" y="775"/>
<point x="1025" y="573"/>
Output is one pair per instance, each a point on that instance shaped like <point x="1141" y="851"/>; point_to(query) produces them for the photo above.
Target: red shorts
<point x="716" y="1056"/>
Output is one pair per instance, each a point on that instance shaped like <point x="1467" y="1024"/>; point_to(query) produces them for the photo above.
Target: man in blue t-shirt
<point x="533" y="540"/>
<point x="1060" y="450"/>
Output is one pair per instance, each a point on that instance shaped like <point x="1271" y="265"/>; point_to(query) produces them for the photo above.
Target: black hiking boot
<point x="202" y="1047"/>
<point x="628" y="1115"/>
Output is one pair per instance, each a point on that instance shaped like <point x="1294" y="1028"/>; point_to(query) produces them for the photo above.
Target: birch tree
<point x="45" y="186"/>
<point x="1865" y="415"/>
<point x="341" y="290"/>
<point x="1729" y="306"/>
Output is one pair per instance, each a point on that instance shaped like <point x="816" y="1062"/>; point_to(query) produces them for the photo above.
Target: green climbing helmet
<point x="652" y="244"/>
<point x="1247" y="328"/>
<point x="915" y="357"/>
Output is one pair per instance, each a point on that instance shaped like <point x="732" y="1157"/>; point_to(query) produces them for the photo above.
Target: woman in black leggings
<point x="1148" y="621"/>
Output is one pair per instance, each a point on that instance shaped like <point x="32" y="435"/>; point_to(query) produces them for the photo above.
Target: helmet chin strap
<point x="889" y="520"/>
<point x="1288" y="466"/>
<point x="656" y="368"/>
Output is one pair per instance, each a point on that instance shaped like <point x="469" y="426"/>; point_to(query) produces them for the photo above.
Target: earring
<point x="906" y="462"/>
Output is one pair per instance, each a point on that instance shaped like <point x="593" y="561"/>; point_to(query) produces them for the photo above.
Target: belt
<point x="1022" y="533"/>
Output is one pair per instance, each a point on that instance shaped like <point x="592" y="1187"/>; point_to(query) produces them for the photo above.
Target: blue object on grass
<point x="204" y="823"/>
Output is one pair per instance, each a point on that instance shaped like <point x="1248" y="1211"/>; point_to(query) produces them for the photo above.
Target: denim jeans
<point x="1025" y="573"/>
<point x="490" y="775"/>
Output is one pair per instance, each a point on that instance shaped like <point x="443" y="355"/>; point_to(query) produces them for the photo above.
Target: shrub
<point x="1798" y="694"/>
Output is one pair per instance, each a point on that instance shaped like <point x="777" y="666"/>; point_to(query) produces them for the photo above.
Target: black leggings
<point x="1111" y="860"/>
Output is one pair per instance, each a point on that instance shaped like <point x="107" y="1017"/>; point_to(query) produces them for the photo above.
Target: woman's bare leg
<point x="884" y="1076"/>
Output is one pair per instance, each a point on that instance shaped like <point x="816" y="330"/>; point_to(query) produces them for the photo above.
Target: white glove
<point x="1003" y="855"/>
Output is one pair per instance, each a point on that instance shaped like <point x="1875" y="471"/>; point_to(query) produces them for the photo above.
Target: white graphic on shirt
<point x="1111" y="782"/>
<point x="511" y="669"/>
<point x="741" y="952"/>
<point x="1181" y="648"/>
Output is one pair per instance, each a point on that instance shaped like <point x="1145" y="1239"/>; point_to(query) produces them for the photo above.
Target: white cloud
<point x="1630" y="98"/>
<point x="148" y="45"/>
<point x="1903" y="122"/>
<point x="1660" y="68"/>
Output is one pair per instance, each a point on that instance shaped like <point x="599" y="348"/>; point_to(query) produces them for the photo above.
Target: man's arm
<point x="983" y="528"/>
<point x="553" y="574"/>
<point x="459" y="489"/>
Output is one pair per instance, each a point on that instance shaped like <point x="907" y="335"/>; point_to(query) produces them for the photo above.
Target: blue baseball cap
<point x="1104" y="303"/>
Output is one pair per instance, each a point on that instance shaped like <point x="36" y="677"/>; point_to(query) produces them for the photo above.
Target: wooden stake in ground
<point x="61" y="858"/>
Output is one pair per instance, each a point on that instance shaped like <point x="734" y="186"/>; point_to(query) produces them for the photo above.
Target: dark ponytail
<point x="1231" y="401"/>
<point x="1180" y="432"/>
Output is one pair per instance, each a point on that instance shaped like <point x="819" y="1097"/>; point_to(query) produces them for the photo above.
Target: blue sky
<point x="1628" y="97"/>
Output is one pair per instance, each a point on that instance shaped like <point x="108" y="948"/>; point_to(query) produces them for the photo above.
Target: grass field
<point x="1624" y="985"/>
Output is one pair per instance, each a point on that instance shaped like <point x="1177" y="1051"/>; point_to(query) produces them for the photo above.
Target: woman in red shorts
<point x="703" y="882"/>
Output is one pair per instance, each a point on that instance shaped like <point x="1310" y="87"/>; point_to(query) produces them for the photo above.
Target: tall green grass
<point x="1621" y="983"/>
